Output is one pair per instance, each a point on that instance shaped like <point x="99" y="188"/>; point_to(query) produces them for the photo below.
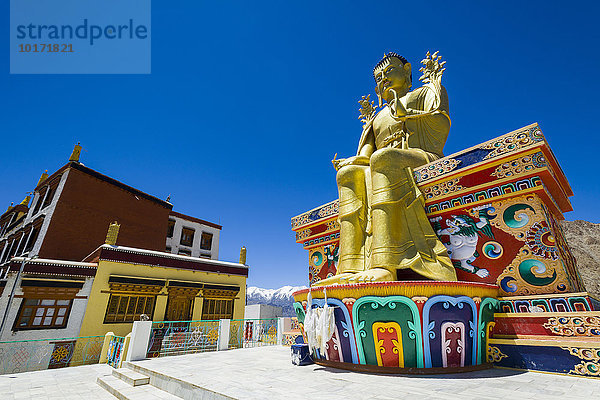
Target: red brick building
<point x="70" y="212"/>
<point x="167" y="259"/>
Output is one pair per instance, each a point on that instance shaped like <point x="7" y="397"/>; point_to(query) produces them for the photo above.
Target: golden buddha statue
<point x="385" y="234"/>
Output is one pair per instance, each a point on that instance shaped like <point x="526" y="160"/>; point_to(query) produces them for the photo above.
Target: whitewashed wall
<point x="175" y="245"/>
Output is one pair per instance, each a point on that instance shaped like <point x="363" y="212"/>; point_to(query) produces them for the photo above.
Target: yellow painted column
<point x="160" y="308"/>
<point x="239" y="304"/>
<point x="197" y="310"/>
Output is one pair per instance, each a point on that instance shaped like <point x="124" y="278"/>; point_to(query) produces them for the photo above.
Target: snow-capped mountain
<point x="281" y="297"/>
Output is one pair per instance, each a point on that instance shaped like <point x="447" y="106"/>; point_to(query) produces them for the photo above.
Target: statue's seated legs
<point x="402" y="235"/>
<point x="402" y="238"/>
<point x="353" y="214"/>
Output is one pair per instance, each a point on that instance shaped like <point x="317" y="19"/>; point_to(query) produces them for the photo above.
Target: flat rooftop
<point x="267" y="373"/>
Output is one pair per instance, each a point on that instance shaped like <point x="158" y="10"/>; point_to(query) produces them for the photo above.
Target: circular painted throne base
<point x="409" y="327"/>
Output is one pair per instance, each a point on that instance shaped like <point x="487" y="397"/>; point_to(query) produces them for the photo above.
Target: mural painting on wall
<point x="463" y="233"/>
<point x="323" y="262"/>
<point x="508" y="242"/>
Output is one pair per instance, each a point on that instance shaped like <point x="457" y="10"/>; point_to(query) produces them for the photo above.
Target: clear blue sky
<point x="248" y="102"/>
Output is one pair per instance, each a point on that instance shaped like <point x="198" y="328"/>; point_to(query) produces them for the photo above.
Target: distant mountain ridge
<point x="281" y="297"/>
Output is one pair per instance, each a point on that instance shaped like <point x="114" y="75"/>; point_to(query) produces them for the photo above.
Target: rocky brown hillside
<point x="584" y="239"/>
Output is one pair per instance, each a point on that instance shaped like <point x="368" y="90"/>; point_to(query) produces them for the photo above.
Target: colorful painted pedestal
<point x="513" y="191"/>
<point x="406" y="327"/>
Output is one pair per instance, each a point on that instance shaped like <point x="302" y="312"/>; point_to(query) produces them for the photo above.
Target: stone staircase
<point x="126" y="384"/>
<point x="134" y="382"/>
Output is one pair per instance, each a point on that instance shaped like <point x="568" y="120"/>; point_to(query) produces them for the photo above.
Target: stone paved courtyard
<point x="266" y="372"/>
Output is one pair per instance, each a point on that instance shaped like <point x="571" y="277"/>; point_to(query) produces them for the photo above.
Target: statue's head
<point x="392" y="72"/>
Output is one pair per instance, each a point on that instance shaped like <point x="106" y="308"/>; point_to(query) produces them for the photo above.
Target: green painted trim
<point x="482" y="325"/>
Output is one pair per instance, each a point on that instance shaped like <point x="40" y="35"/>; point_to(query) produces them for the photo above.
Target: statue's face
<point x="393" y="76"/>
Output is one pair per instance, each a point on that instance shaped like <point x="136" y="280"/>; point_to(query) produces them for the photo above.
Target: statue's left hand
<point x="355" y="160"/>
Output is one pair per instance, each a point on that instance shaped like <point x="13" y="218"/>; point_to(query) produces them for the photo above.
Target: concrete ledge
<point x="177" y="387"/>
<point x="124" y="391"/>
<point x="131" y="377"/>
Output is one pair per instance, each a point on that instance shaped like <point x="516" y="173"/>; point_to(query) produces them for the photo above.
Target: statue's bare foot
<point x="372" y="275"/>
<point x="335" y="280"/>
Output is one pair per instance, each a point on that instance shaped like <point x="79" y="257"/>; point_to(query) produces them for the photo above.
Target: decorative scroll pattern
<point x="541" y="241"/>
<point x="586" y="368"/>
<point x="329" y="226"/>
<point x="514" y="141"/>
<point x="517" y="215"/>
<point x="435" y="169"/>
<point x="326" y="210"/>
<point x="494" y="354"/>
<point x="453" y="342"/>
<point x="587" y="354"/>
<point x="574" y="326"/>
<point x="323" y="262"/>
<point x="528" y="274"/>
<point x="387" y="337"/>
<point x="504" y="144"/>
<point x="441" y="309"/>
<point x="520" y="165"/>
<point x="443" y="188"/>
<point x="333" y="347"/>
<point x="303" y="234"/>
<point x="590" y="366"/>
<point x="34" y="355"/>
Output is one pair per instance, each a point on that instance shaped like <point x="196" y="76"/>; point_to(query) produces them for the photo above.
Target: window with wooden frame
<point x="49" y="196"/>
<point x="213" y="309"/>
<point x="9" y="243"/>
<point x="128" y="308"/>
<point x="206" y="241"/>
<point x="23" y="242"/>
<point x="46" y="304"/>
<point x="130" y="298"/>
<point x="33" y="237"/>
<point x="13" y="251"/>
<point x="38" y="203"/>
<point x="43" y="314"/>
<point x="170" y="228"/>
<point x="187" y="237"/>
